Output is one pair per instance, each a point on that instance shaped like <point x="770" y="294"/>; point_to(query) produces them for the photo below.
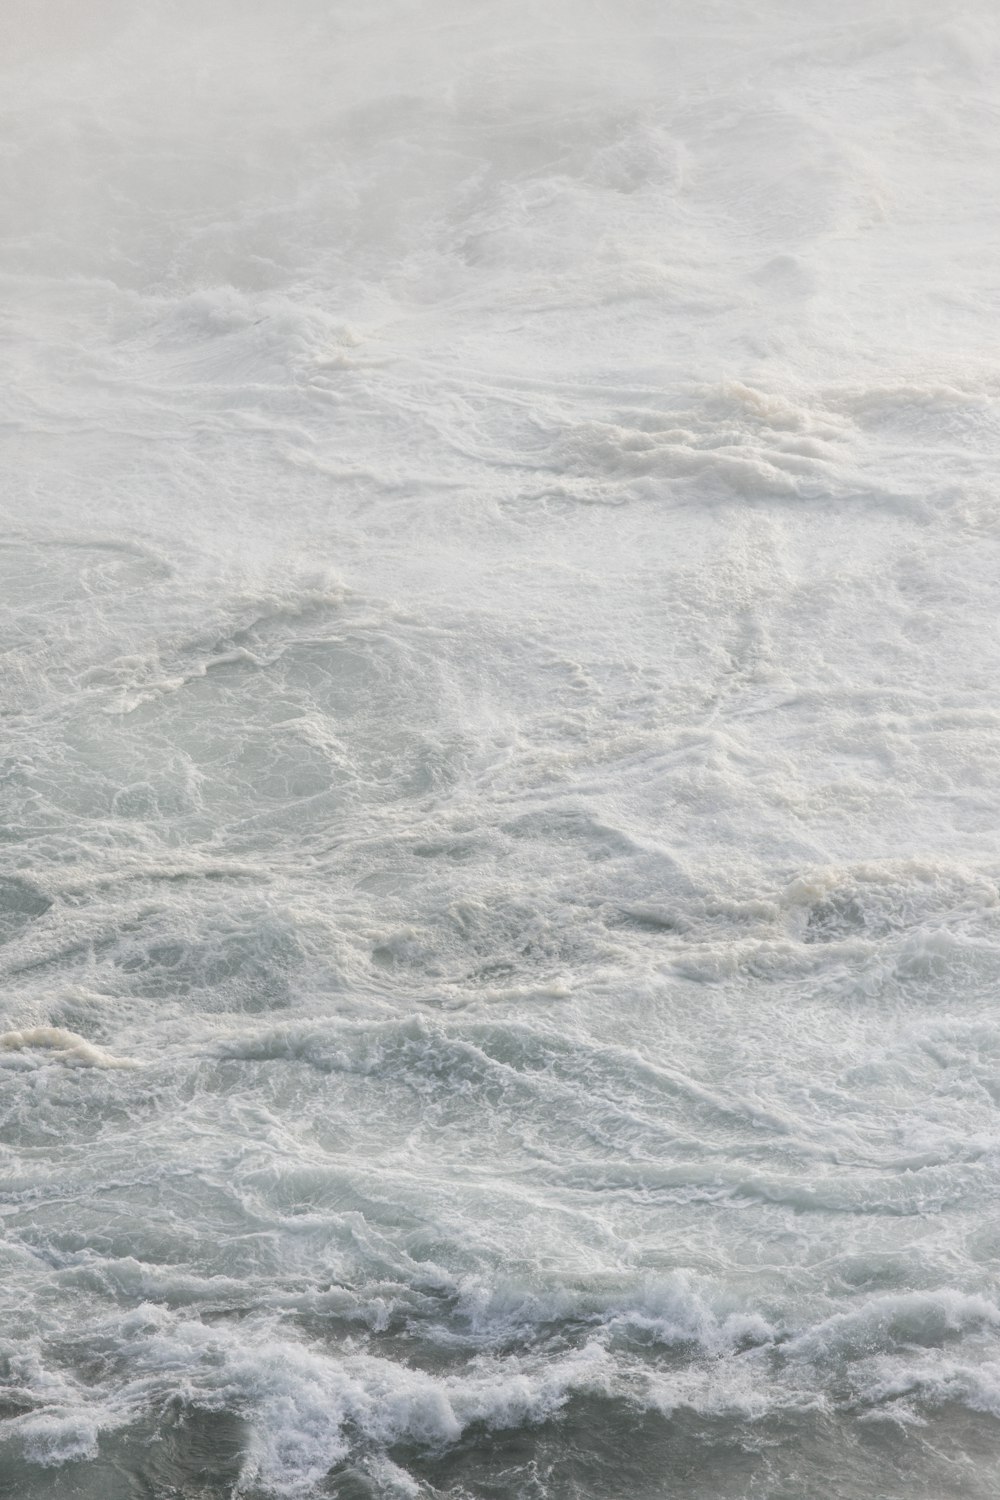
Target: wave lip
<point x="305" y="1409"/>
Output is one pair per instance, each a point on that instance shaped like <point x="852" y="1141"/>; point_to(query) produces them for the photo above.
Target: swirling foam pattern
<point x="499" y="887"/>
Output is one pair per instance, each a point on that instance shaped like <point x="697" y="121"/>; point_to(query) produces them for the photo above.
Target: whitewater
<point x="500" y="750"/>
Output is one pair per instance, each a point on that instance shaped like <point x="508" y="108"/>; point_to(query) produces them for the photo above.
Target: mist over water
<point x="499" y="905"/>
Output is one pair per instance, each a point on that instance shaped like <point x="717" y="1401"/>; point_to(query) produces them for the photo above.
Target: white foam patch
<point x="62" y="1046"/>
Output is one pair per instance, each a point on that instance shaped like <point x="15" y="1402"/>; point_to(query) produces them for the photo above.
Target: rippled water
<point x="499" y="907"/>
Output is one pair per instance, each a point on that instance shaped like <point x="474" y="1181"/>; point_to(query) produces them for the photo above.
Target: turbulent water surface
<point x="499" y="913"/>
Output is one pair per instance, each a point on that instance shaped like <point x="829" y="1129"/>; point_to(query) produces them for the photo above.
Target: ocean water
<point x="500" y="750"/>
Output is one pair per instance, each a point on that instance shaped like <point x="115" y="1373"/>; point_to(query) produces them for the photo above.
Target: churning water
<point x="499" y="911"/>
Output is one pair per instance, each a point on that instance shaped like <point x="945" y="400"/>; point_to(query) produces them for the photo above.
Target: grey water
<point x="499" y="884"/>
